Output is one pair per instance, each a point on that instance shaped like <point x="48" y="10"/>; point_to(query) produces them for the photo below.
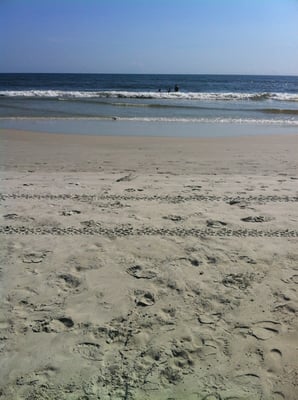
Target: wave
<point x="244" y="121"/>
<point x="203" y="96"/>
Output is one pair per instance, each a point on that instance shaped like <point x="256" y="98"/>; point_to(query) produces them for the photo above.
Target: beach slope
<point x="148" y="268"/>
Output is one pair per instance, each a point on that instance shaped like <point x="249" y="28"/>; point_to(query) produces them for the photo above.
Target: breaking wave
<point x="202" y="96"/>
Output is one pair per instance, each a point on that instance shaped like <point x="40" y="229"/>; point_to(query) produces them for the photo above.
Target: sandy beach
<point x="148" y="268"/>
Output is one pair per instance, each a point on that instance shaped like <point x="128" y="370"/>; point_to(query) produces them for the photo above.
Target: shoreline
<point x="148" y="267"/>
<point x="118" y="127"/>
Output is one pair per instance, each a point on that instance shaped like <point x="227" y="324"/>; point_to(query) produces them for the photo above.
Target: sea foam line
<point x="203" y="96"/>
<point x="242" y="121"/>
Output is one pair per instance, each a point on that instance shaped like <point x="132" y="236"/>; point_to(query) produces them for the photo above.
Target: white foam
<point x="244" y="121"/>
<point x="232" y="121"/>
<point x="46" y="93"/>
<point x="203" y="96"/>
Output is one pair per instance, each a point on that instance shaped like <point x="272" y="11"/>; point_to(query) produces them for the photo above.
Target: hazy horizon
<point x="142" y="73"/>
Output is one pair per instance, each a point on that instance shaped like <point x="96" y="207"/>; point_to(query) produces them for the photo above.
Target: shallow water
<point x="204" y="105"/>
<point x="143" y="128"/>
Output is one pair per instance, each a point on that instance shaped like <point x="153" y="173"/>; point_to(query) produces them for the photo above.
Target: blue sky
<point x="149" y="36"/>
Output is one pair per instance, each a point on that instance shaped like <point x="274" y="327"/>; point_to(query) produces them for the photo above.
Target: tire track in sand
<point x="128" y="230"/>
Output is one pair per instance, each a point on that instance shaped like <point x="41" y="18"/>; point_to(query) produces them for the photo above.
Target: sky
<point x="150" y="36"/>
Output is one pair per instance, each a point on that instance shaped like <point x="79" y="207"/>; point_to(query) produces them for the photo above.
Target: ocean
<point x="193" y="105"/>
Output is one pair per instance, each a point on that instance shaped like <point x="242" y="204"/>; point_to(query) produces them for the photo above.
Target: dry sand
<point x="148" y="268"/>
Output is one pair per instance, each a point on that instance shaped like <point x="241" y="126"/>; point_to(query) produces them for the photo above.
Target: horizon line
<point x="153" y="73"/>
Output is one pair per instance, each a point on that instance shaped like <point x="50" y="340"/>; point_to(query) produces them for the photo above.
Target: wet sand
<point x="148" y="268"/>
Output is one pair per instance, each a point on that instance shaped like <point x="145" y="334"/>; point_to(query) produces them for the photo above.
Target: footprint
<point x="194" y="187"/>
<point x="34" y="257"/>
<point x="278" y="396"/>
<point x="208" y="319"/>
<point x="68" y="213"/>
<point x="138" y="272"/>
<point x="264" y="330"/>
<point x="212" y="347"/>
<point x="274" y="360"/>
<point x="234" y="201"/>
<point x="211" y="260"/>
<point x="90" y="223"/>
<point x="182" y="358"/>
<point x="144" y="298"/>
<point x="16" y="217"/>
<point x="241" y="281"/>
<point x="215" y="224"/>
<point x="41" y="325"/>
<point x="61" y="324"/>
<point x="259" y="218"/>
<point x="52" y="325"/>
<point x="276" y="354"/>
<point x="65" y="282"/>
<point x="174" y="218"/>
<point x="233" y="398"/>
<point x="213" y="396"/>
<point x="248" y="379"/>
<point x="39" y="377"/>
<point x="10" y="216"/>
<point x="47" y="372"/>
<point x="294" y="279"/>
<point x="208" y="350"/>
<point x="247" y="259"/>
<point x="171" y="375"/>
<point x="89" y="350"/>
<point x="70" y="280"/>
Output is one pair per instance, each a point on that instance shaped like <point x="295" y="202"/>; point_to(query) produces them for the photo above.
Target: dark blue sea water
<point x="200" y="99"/>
